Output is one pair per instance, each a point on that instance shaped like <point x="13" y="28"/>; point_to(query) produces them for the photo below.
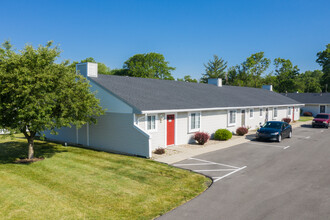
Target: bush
<point x="241" y="131"/>
<point x="287" y="120"/>
<point x="222" y="134"/>
<point x="201" y="137"/>
<point x="160" y="150"/>
<point x="308" y="114"/>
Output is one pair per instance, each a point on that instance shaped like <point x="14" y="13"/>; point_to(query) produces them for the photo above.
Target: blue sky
<point x="187" y="33"/>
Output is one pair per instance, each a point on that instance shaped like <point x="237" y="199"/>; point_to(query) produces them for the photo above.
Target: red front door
<point x="170" y="129"/>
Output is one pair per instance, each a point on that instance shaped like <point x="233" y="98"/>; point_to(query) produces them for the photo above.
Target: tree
<point x="37" y="94"/>
<point x="149" y="65"/>
<point x="187" y="78"/>
<point x="286" y="75"/>
<point x="214" y="69"/>
<point x="255" y="66"/>
<point x="323" y="58"/>
<point x="310" y="81"/>
<point x="101" y="67"/>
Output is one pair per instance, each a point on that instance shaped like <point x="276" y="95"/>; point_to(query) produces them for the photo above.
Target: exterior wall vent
<point x="215" y="81"/>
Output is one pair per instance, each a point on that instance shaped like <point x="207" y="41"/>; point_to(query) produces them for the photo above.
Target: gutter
<point x="217" y="108"/>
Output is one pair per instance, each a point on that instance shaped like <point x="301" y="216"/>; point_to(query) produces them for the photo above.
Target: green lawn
<point x="305" y="118"/>
<point x="75" y="183"/>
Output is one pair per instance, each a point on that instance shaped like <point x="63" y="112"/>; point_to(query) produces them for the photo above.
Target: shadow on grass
<point x="12" y="150"/>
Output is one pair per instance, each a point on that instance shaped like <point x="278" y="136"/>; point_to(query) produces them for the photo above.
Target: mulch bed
<point x="26" y="161"/>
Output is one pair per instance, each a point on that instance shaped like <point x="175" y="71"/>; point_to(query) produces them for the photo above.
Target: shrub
<point x="201" y="137"/>
<point x="222" y="134"/>
<point x="160" y="150"/>
<point x="308" y="114"/>
<point x="241" y="131"/>
<point x="287" y="120"/>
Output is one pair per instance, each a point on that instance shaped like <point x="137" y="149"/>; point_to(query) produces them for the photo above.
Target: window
<point x="260" y="112"/>
<point x="231" y="118"/>
<point x="194" y="121"/>
<point x="322" y="108"/>
<point x="151" y="122"/>
<point x="275" y="113"/>
<point x="289" y="111"/>
<point x="251" y="113"/>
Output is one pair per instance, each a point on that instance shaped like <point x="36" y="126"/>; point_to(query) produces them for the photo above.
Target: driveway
<point x="264" y="180"/>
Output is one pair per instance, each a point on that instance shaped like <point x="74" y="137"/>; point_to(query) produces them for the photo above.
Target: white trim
<point x="189" y="122"/>
<point x="262" y="112"/>
<point x="228" y="118"/>
<point x="250" y="113"/>
<point x="175" y="128"/>
<point x="146" y="123"/>
<point x="212" y="109"/>
<point x="244" y="117"/>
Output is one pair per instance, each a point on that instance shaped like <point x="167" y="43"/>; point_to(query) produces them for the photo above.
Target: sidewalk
<point x="181" y="152"/>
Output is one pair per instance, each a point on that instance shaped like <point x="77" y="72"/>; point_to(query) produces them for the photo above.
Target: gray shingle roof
<point x="310" y="98"/>
<point x="154" y="94"/>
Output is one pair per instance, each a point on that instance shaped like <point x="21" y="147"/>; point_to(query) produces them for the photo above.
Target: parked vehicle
<point x="274" y="130"/>
<point x="321" y="120"/>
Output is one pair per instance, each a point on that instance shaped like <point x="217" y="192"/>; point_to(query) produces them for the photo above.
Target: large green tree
<point x="323" y="58"/>
<point x="286" y="75"/>
<point x="148" y="65"/>
<point x="214" y="69"/>
<point x="254" y="67"/>
<point x="310" y="81"/>
<point x="38" y="94"/>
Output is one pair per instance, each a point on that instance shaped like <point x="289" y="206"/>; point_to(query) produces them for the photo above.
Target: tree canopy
<point x="286" y="75"/>
<point x="148" y="65"/>
<point x="187" y="78"/>
<point x="214" y="69"/>
<point x="37" y="94"/>
<point x="323" y="58"/>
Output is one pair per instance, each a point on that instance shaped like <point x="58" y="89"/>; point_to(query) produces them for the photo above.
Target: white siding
<point x="210" y="122"/>
<point x="315" y="108"/>
<point x="108" y="101"/>
<point x="114" y="132"/>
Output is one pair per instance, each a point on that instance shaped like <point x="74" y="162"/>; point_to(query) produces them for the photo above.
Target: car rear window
<point x="322" y="116"/>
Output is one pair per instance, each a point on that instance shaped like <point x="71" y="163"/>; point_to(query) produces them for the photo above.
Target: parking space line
<point x="298" y="136"/>
<point x="221" y="164"/>
<point x="278" y="146"/>
<point x="228" y="174"/>
<point x="215" y="170"/>
<point x="286" y="147"/>
<point x="191" y="164"/>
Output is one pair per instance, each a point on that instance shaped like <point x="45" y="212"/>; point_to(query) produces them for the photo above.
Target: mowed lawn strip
<point x="305" y="118"/>
<point x="76" y="183"/>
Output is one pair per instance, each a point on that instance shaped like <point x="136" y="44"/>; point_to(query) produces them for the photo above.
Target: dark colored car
<point x="274" y="130"/>
<point x="321" y="120"/>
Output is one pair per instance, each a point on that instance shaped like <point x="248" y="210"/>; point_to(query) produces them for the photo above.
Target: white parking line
<point x="286" y="147"/>
<point x="278" y="146"/>
<point x="298" y="136"/>
<point x="322" y="130"/>
<point x="233" y="169"/>
<point x="221" y="164"/>
<point x="228" y="174"/>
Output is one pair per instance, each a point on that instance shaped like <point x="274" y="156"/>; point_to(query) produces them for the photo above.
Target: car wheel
<point x="279" y="138"/>
<point x="327" y="126"/>
<point x="290" y="134"/>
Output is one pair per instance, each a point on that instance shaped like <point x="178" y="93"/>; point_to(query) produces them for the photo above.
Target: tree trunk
<point x="31" y="150"/>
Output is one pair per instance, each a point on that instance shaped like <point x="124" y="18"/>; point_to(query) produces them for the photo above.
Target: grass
<point x="305" y="118"/>
<point x="76" y="183"/>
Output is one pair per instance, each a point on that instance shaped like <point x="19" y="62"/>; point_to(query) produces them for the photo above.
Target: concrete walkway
<point x="182" y="152"/>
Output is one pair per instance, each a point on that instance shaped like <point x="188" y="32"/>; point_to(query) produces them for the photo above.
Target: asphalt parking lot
<point x="264" y="180"/>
